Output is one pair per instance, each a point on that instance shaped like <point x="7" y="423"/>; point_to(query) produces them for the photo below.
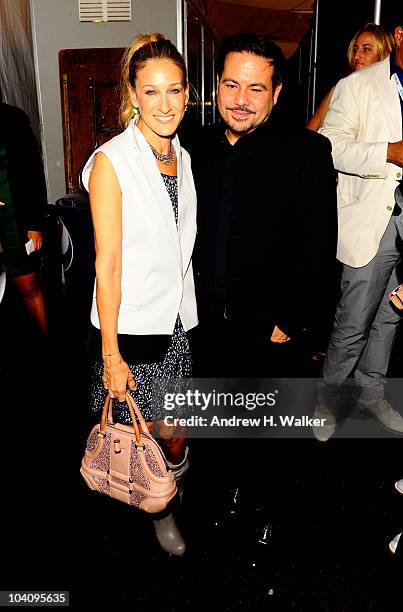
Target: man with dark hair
<point x="266" y="245"/>
<point x="267" y="224"/>
<point x="364" y="125"/>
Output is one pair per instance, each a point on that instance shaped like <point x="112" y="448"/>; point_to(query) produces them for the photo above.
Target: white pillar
<point x="377" y="12"/>
<point x="315" y="56"/>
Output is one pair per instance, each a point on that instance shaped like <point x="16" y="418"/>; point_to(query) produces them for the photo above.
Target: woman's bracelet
<point x="107" y="358"/>
<point x="110" y="354"/>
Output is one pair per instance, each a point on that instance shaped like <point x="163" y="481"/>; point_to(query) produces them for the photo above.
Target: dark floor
<point x="329" y="509"/>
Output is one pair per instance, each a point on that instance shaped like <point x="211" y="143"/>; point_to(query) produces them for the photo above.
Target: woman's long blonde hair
<point x="142" y="49"/>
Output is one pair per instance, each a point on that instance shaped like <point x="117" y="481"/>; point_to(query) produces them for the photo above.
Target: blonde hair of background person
<point x="144" y="241"/>
<point x="379" y="42"/>
<point x="370" y="44"/>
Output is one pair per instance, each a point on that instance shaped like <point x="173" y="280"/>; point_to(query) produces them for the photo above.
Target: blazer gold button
<point x="389" y="208"/>
<point x="398" y="175"/>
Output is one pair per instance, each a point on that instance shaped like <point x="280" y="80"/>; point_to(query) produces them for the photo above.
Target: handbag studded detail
<point x="126" y="463"/>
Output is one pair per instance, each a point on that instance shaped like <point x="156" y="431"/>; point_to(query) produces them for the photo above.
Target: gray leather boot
<point x="179" y="470"/>
<point x="166" y="530"/>
<point x="169" y="536"/>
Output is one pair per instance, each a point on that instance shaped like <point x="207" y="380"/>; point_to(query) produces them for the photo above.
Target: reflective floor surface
<point x="297" y="525"/>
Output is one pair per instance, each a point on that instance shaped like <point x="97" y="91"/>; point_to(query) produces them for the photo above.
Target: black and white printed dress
<point x="150" y="358"/>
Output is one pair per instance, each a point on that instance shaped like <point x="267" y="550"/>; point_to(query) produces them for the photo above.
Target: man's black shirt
<point x="220" y="198"/>
<point x="267" y="227"/>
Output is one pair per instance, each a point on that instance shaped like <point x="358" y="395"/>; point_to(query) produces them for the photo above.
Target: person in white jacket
<point x="364" y="125"/>
<point x="143" y="205"/>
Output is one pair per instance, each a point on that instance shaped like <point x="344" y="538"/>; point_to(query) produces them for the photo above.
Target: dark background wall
<point x="339" y="20"/>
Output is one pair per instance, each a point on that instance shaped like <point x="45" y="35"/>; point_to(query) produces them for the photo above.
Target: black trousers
<point x="227" y="347"/>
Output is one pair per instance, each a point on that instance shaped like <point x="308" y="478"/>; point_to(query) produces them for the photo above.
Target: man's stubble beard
<point x="239" y="131"/>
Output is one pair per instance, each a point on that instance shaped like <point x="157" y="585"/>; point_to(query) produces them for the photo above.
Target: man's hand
<point x="278" y="336"/>
<point x="318" y="356"/>
<point x="395" y="153"/>
<point x="36" y="238"/>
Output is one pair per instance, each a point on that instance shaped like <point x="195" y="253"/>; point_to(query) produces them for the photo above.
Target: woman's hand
<point x="117" y="377"/>
<point x="36" y="238"/>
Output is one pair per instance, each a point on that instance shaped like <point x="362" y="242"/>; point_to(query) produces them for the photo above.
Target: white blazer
<point x="363" y="117"/>
<point x="157" y="277"/>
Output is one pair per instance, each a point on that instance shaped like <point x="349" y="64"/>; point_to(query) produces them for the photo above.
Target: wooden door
<point x="90" y="105"/>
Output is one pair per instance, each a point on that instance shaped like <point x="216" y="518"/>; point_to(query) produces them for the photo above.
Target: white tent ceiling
<point x="285" y="21"/>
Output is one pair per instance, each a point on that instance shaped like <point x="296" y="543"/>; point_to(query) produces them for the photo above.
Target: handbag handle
<point x="136" y="410"/>
<point x="135" y="415"/>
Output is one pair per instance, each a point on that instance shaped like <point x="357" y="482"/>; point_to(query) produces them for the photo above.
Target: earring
<point x="136" y="110"/>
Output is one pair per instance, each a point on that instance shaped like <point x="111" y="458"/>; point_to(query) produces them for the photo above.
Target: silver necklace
<point x="165" y="158"/>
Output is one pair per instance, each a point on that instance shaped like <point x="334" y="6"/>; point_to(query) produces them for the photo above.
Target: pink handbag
<point x="126" y="462"/>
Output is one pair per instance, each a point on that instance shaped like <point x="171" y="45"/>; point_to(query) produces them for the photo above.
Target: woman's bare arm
<point x="315" y="122"/>
<point x="106" y="209"/>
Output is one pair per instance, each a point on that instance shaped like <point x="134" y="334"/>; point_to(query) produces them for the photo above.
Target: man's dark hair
<point x="258" y="44"/>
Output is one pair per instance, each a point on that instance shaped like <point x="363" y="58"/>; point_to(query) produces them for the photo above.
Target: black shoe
<point x="230" y="511"/>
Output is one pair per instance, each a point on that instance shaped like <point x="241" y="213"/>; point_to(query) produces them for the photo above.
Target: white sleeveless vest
<point x="157" y="277"/>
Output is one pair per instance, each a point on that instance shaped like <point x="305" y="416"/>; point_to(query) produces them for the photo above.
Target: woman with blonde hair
<point x="370" y="44"/>
<point x="143" y="206"/>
